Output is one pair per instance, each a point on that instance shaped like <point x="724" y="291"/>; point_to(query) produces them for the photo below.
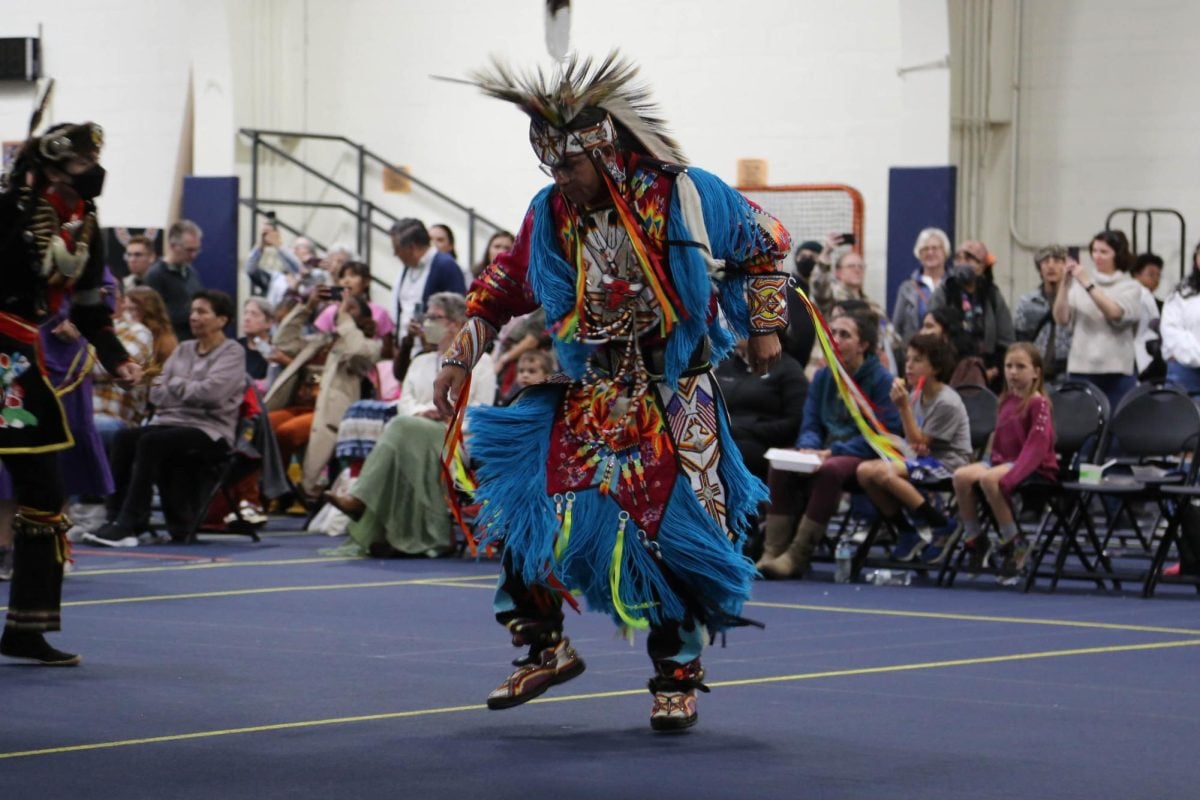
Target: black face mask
<point x="89" y="184"/>
<point x="805" y="266"/>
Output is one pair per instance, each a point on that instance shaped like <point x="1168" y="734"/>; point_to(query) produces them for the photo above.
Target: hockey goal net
<point x="813" y="211"/>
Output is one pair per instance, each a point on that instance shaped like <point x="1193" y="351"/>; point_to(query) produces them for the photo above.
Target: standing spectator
<point x="175" y="279"/>
<point x="971" y="289"/>
<point x="442" y="238"/>
<point x="844" y="282"/>
<point x="764" y="410"/>
<point x="139" y="258"/>
<point x="269" y="259"/>
<point x="1147" y="344"/>
<point x="1103" y="309"/>
<point x="289" y="288"/>
<point x="196" y="401"/>
<point x="913" y="297"/>
<point x="1033" y="320"/>
<point x="425" y="271"/>
<point x="500" y="242"/>
<point x="801" y="335"/>
<point x="1181" y="331"/>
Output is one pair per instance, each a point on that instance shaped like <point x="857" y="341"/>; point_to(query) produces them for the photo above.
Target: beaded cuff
<point x="470" y="344"/>
<point x="767" y="301"/>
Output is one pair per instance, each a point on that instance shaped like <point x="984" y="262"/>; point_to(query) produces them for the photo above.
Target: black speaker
<point x="20" y="59"/>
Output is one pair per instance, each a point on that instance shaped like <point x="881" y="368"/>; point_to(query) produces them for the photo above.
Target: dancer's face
<point x="579" y="180"/>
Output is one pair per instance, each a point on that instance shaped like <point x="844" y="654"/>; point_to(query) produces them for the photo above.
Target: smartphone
<point x="1073" y="253"/>
<point x="846" y="238"/>
<point x="336" y="292"/>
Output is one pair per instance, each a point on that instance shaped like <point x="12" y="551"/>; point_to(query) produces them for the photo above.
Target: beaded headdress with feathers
<point x="582" y="105"/>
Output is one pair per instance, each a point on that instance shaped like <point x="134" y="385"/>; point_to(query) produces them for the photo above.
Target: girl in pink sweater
<point x="1023" y="445"/>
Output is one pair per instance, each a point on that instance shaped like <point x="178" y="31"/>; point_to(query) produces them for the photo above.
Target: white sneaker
<point x="128" y="541"/>
<point x="252" y="513"/>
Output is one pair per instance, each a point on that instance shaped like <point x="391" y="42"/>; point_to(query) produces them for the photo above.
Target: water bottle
<point x="844" y="555"/>
<point x="890" y="577"/>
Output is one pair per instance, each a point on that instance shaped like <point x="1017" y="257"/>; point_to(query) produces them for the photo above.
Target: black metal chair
<point x="1153" y="428"/>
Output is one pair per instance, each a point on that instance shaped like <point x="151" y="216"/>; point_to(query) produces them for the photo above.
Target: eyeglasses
<point x="436" y="316"/>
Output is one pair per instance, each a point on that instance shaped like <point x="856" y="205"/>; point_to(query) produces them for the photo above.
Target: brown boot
<point x="777" y="536"/>
<point x="795" y="560"/>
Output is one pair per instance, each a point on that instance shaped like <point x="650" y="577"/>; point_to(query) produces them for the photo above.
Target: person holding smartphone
<point x="1103" y="307"/>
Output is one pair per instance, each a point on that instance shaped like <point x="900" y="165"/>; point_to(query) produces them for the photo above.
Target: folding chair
<point x="1153" y="427"/>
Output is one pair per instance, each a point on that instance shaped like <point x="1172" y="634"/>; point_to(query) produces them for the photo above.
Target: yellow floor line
<point x="1066" y="623"/>
<point x="461" y="582"/>
<point x="840" y="673"/>
<point x="213" y="565"/>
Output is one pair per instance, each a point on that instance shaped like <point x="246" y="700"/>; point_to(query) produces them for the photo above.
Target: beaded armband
<point x="767" y="300"/>
<point x="469" y="345"/>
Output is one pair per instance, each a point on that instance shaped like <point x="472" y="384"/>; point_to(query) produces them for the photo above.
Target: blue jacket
<point x="827" y="422"/>
<point x="444" y="276"/>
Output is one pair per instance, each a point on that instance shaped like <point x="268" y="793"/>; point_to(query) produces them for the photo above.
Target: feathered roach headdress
<point x="58" y="144"/>
<point x="582" y="107"/>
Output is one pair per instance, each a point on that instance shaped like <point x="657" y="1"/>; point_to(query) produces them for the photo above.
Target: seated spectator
<point x="914" y="296"/>
<point x="175" y="279"/>
<point x="521" y="335"/>
<point x="1181" y="331"/>
<point x="968" y="370"/>
<point x="398" y="504"/>
<point x="354" y="278"/>
<point x="257" y="316"/>
<point x="1147" y="343"/>
<point x="971" y="289"/>
<point x="116" y="407"/>
<point x="500" y="242"/>
<point x="1033" y="319"/>
<point x="269" y="259"/>
<point x="829" y="431"/>
<point x="1023" y="445"/>
<point x="196" y="401"/>
<point x="533" y="367"/>
<point x="937" y="429"/>
<point x="764" y="410"/>
<point x="323" y="375"/>
<point x="143" y="304"/>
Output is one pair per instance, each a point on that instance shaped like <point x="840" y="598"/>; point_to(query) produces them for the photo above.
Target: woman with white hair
<point x="913" y="298"/>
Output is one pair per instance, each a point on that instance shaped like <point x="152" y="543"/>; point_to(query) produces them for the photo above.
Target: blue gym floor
<point x="230" y="669"/>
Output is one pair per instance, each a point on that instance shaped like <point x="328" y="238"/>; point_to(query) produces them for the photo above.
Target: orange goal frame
<point x="856" y="200"/>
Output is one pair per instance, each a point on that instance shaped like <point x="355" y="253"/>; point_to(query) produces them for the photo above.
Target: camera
<point x="336" y="292"/>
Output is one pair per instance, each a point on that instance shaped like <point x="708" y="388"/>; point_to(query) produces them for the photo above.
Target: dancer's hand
<point x="763" y="352"/>
<point x="446" y="388"/>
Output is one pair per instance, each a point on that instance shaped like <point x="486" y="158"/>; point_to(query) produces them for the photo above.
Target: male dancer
<point x="621" y="481"/>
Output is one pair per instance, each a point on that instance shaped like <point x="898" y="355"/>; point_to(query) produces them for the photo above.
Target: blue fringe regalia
<point x="647" y="525"/>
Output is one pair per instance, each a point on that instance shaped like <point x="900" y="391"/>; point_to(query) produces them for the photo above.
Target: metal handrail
<point x="1135" y="214"/>
<point x="365" y="210"/>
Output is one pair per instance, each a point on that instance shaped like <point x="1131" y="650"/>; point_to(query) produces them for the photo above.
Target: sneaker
<point x="1015" y="552"/>
<point x="534" y="675"/>
<point x="909" y="546"/>
<point x="252" y="513"/>
<point x="32" y="646"/>
<point x="124" y="541"/>
<point x="935" y="551"/>
<point x="978" y="550"/>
